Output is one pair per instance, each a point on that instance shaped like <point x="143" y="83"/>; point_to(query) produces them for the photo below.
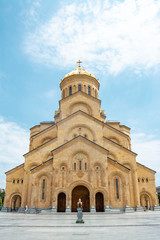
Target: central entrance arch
<point x="83" y="193"/>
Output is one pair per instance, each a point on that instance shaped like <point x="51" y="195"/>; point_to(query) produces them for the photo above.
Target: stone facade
<point x="80" y="155"/>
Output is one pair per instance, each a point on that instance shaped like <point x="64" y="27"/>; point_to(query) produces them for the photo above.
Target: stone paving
<point x="137" y="225"/>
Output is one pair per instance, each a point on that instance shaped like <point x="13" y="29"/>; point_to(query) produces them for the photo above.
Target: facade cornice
<point x="40" y="146"/>
<point x="119" y="164"/>
<point x="80" y="111"/>
<point x="146" y="167"/>
<point x="120" y="145"/>
<point x="15" y="168"/>
<point x="42" y="164"/>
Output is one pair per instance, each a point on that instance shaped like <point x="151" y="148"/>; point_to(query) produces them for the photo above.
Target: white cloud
<point x="148" y="149"/>
<point x="14" y="142"/>
<point x="112" y="36"/>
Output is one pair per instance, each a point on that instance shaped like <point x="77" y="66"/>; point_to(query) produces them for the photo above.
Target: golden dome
<point x="78" y="71"/>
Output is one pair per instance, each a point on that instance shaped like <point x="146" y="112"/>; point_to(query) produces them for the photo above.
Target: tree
<point x="159" y="197"/>
<point x="2" y="194"/>
<point x="1" y="202"/>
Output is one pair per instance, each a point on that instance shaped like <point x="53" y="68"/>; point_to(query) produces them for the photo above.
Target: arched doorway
<point x="15" y="203"/>
<point x="145" y="201"/>
<point x="99" y="202"/>
<point x="83" y="193"/>
<point x="61" y="202"/>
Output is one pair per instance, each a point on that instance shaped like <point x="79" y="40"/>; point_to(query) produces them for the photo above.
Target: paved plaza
<point x="137" y="225"/>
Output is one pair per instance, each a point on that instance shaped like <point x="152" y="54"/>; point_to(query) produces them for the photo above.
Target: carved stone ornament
<point x="80" y="173"/>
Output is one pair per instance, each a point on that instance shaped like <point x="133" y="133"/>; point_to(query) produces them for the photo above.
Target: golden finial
<point x="79" y="62"/>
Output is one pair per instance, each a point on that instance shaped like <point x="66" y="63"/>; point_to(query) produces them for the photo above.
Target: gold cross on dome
<point x="79" y="62"/>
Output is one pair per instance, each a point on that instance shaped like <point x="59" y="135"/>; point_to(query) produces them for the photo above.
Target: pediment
<point x="81" y="141"/>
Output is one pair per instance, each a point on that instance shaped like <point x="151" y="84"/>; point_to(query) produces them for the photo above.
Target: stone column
<point x="68" y="202"/>
<point x="25" y="189"/>
<point x="92" y="202"/>
<point x="29" y="189"/>
<point x="136" y="188"/>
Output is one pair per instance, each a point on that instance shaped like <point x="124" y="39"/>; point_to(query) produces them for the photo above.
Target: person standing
<point x="26" y="209"/>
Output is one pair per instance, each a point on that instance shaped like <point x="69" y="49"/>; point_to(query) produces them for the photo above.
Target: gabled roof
<point x="80" y="111"/>
<point x="120" y="145"/>
<point x="87" y="140"/>
<point x="80" y="137"/>
<point x="40" y="146"/>
<point x="19" y="166"/>
<point x="146" y="167"/>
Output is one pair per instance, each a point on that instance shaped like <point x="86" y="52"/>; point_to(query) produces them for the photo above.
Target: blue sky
<point x="40" y="42"/>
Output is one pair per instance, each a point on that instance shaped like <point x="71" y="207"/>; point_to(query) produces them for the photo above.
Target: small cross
<point x="79" y="62"/>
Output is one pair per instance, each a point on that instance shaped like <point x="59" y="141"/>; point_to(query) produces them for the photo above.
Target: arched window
<point x="95" y="93"/>
<point x="138" y="180"/>
<point x="43" y="189"/>
<point x="80" y="165"/>
<point x="79" y="87"/>
<point x="18" y="181"/>
<point x="142" y="179"/>
<point x="89" y="90"/>
<point x="13" y="180"/>
<point x="22" y="181"/>
<point x="70" y="91"/>
<point x="74" y="166"/>
<point x="117" y="190"/>
<point x="85" y="166"/>
<point x="63" y="94"/>
<point x="146" y="179"/>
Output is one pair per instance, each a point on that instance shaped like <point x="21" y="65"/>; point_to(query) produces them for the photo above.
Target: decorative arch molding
<point x="103" y="191"/>
<point x="32" y="165"/>
<point x="115" y="174"/>
<point x="144" y="192"/>
<point x="80" y="126"/>
<point x="42" y="174"/>
<point x="97" y="164"/>
<point x="47" y="156"/>
<point x="12" y="195"/>
<point x="114" y="139"/>
<point x="81" y="152"/>
<point x="60" y="190"/>
<point x="45" y="139"/>
<point x="112" y="155"/>
<point x="129" y="165"/>
<point x="63" y="164"/>
<point x="83" y="106"/>
<point x="80" y="183"/>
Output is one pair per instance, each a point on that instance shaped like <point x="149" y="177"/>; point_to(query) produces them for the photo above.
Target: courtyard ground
<point x="138" y="225"/>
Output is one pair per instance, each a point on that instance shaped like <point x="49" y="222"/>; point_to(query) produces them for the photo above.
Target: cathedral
<point x="80" y="155"/>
